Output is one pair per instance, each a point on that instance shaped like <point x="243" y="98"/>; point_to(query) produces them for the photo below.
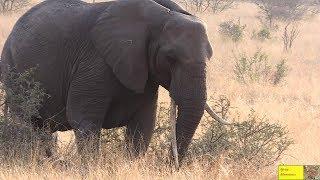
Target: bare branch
<point x="289" y="36"/>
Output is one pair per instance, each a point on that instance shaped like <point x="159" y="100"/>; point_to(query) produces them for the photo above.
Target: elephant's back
<point x="36" y="34"/>
<point x="39" y="36"/>
<point x="37" y="41"/>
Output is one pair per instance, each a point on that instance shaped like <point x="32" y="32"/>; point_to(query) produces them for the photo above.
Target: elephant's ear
<point x="120" y="35"/>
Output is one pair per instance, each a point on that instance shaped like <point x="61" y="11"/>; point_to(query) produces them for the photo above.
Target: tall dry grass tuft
<point x="114" y="164"/>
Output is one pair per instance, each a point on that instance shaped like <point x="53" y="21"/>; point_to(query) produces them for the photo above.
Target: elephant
<point x="102" y="65"/>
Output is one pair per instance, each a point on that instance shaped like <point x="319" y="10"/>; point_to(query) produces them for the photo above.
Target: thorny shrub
<point x="262" y="35"/>
<point x="257" y="68"/>
<point x="23" y="94"/>
<point x="281" y="72"/>
<point x="24" y="97"/>
<point x="232" y="30"/>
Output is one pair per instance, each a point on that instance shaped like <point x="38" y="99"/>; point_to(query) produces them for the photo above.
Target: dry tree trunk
<point x="289" y="36"/>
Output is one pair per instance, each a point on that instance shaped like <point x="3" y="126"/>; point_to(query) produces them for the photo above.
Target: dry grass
<point x="295" y="103"/>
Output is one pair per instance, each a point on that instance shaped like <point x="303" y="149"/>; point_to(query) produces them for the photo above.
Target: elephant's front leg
<point x="86" y="114"/>
<point x="141" y="126"/>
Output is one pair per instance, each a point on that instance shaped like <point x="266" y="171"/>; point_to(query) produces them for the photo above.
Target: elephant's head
<point x="179" y="65"/>
<point x="141" y="39"/>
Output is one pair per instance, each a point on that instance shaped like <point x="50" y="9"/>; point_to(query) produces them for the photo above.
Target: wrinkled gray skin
<point x="102" y="65"/>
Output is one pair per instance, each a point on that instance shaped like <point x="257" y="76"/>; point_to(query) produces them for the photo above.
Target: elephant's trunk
<point x="187" y="122"/>
<point x="173" y="117"/>
<point x="188" y="89"/>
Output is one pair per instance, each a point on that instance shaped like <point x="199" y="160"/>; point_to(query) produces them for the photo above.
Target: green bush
<point x="252" y="69"/>
<point x="231" y="30"/>
<point x="262" y="35"/>
<point x="253" y="140"/>
<point x="258" y="69"/>
<point x="281" y="72"/>
<point x="24" y="95"/>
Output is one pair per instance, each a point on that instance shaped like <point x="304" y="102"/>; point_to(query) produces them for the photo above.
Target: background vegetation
<point x="265" y="65"/>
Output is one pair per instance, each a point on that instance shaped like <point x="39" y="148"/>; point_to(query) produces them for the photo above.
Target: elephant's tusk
<point x="215" y="116"/>
<point x="173" y="116"/>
